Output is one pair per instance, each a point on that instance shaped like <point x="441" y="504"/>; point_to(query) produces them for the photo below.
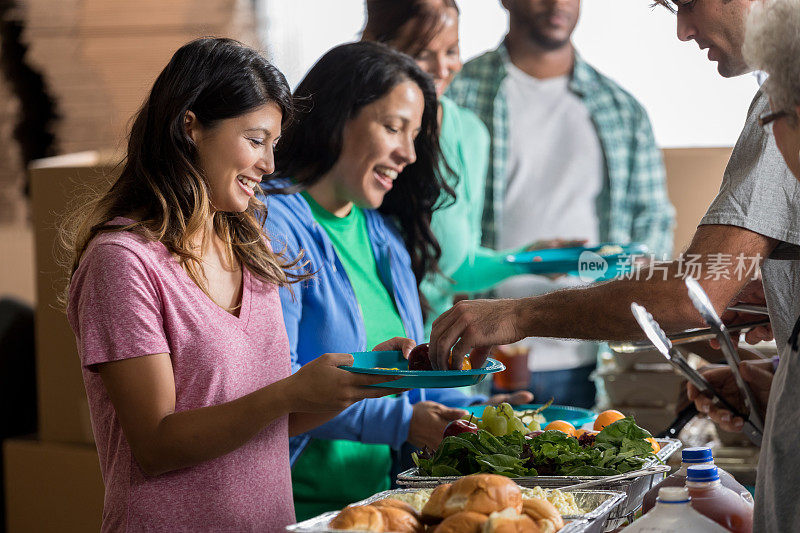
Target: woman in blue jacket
<point x="364" y="148"/>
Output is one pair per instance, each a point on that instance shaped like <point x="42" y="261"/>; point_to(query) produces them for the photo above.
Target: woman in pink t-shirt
<point x="174" y="304"/>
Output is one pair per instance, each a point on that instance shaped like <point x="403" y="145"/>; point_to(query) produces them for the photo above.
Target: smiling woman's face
<point x="377" y="144"/>
<point x="235" y="154"/>
<point x="441" y="58"/>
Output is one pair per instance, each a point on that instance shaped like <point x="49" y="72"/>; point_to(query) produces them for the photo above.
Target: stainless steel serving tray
<point x="598" y="503"/>
<point x="633" y="488"/>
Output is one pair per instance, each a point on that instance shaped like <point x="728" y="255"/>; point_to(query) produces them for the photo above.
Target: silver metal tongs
<point x="659" y="339"/>
<point x="696" y="335"/>
<point x="753" y="423"/>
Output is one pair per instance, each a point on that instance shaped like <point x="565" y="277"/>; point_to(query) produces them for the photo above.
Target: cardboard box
<point x="57" y="185"/>
<point x="16" y="268"/>
<point x="52" y="487"/>
<point x="694" y="176"/>
<point x="642" y="389"/>
<point x="653" y="419"/>
<point x="99" y="58"/>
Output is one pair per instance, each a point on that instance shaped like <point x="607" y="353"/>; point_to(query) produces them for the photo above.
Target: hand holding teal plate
<point x="392" y="363"/>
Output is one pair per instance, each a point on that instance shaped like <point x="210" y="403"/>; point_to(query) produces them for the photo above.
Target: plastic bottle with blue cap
<point x="699" y="455"/>
<point x="719" y="503"/>
<point x="673" y="512"/>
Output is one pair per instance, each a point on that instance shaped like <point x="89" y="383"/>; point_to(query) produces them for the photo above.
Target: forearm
<point x="602" y="312"/>
<point x="186" y="438"/>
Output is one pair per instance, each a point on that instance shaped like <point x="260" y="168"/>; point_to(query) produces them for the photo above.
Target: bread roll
<point x="544" y="514"/>
<point x="435" y="506"/>
<point x="359" y="518"/>
<point x="391" y="502"/>
<point x="399" y="521"/>
<point x="509" y="521"/>
<point x="482" y="493"/>
<point x="463" y="522"/>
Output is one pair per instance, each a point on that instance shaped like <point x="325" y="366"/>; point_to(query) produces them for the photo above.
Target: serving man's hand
<point x="428" y="422"/>
<point x="757" y="373"/>
<point x="752" y="293"/>
<point x="473" y="327"/>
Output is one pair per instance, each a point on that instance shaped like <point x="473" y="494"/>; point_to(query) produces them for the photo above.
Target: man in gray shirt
<point x="755" y="217"/>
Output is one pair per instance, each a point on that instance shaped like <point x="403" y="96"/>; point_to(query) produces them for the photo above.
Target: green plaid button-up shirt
<point x="633" y="205"/>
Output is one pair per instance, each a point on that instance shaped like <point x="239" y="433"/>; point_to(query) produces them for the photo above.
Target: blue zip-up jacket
<point x="323" y="316"/>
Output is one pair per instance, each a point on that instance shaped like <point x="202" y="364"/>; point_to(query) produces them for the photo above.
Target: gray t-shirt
<point x="759" y="193"/>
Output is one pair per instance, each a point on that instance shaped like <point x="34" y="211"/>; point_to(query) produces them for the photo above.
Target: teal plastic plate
<point x="568" y="260"/>
<point x="574" y="415"/>
<point x="382" y="363"/>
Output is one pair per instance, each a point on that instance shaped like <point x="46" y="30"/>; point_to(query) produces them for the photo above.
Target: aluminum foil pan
<point x="598" y="504"/>
<point x="633" y="488"/>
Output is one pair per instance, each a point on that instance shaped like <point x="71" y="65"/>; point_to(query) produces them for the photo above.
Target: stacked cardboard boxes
<point x="53" y="483"/>
<point x="99" y="57"/>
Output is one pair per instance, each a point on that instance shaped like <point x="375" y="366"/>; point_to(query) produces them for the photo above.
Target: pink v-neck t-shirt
<point x="131" y="298"/>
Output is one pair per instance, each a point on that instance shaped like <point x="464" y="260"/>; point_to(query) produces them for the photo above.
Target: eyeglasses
<point x="772" y="116"/>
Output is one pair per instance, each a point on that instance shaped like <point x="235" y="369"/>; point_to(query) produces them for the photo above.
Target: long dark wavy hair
<point x="337" y="87"/>
<point x="161" y="181"/>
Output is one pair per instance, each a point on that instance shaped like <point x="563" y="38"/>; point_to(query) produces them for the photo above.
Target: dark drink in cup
<point x="516" y="376"/>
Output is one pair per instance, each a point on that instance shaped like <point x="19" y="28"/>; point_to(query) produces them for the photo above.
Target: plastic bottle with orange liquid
<point x="720" y="504"/>
<point x="701" y="455"/>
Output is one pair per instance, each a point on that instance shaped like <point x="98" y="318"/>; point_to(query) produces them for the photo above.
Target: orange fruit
<point x="562" y="426"/>
<point x="656" y="446"/>
<point x="464" y="366"/>
<point x="607" y="417"/>
<point x="579" y="432"/>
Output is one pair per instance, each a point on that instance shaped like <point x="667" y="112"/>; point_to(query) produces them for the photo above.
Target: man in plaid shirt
<point x="573" y="156"/>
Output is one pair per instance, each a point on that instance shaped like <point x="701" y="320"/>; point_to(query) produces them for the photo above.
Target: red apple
<point x="457" y="427"/>
<point x="418" y="358"/>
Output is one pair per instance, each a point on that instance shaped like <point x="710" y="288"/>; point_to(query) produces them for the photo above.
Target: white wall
<point x="688" y="102"/>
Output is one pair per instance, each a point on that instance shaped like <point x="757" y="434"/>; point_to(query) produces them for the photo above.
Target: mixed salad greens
<point x="620" y="447"/>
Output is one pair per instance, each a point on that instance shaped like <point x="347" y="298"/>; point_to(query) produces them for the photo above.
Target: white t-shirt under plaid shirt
<point x="633" y="205"/>
<point x="554" y="176"/>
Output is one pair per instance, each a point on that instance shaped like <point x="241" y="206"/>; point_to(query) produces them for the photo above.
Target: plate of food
<point x="417" y="372"/>
<point x="616" y="258"/>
